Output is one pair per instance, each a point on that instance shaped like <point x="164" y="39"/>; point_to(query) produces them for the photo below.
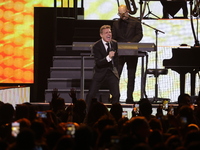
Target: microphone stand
<point x="156" y="74"/>
<point x="192" y="25"/>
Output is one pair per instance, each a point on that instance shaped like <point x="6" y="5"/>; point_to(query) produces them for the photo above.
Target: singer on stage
<point x="127" y="29"/>
<point x="106" y="64"/>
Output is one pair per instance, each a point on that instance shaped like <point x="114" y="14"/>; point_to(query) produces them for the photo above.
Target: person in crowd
<point x="186" y="117"/>
<point x="24" y="141"/>
<point x="109" y="138"/>
<point x="24" y="110"/>
<point x="174" y="142"/>
<point x="96" y="111"/>
<point x="138" y="127"/>
<point x="7" y="112"/>
<point x="116" y="111"/>
<point x="183" y="99"/>
<point x="57" y="103"/>
<point x="84" y="138"/>
<point x="76" y="112"/>
<point x="40" y="130"/>
<point x="106" y="64"/>
<point x="127" y="29"/>
<point x="197" y="108"/>
<point x="145" y="109"/>
<point x="65" y="143"/>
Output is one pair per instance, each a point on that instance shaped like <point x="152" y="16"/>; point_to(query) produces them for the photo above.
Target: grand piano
<point x="183" y="61"/>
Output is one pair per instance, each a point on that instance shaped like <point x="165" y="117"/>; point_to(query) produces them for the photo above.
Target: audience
<point x="116" y="111"/>
<point x="72" y="128"/>
<point x="145" y="109"/>
<point x="7" y="112"/>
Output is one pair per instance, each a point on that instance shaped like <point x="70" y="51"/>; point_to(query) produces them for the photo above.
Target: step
<point x="102" y="95"/>
<point x="72" y="61"/>
<point x="63" y="83"/>
<point x="70" y="72"/>
<point x="66" y="50"/>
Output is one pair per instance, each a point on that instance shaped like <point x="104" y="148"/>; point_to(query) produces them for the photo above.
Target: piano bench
<point x="157" y="72"/>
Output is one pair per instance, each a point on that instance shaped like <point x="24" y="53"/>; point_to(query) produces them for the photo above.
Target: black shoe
<point x="129" y="101"/>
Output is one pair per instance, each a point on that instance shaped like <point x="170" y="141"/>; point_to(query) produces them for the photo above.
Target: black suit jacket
<point x="101" y="64"/>
<point x="133" y="32"/>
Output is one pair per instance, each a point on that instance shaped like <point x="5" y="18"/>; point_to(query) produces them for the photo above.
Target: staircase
<point x="66" y="74"/>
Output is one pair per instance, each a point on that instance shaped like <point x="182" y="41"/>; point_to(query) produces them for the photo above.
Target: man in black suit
<point x="127" y="29"/>
<point x="106" y="64"/>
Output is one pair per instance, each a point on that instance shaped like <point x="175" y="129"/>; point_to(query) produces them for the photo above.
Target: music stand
<point x="150" y="12"/>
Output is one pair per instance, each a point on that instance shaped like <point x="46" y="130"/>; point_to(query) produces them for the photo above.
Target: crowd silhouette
<point x="71" y="127"/>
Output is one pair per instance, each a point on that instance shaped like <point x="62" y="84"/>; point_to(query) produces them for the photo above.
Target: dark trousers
<point x="131" y="62"/>
<point x="172" y="7"/>
<point x="113" y="84"/>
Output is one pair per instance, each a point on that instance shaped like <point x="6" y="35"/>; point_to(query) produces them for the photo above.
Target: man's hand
<point x="72" y="93"/>
<point x="111" y="54"/>
<point x="55" y="93"/>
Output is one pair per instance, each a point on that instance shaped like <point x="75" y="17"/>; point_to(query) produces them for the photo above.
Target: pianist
<point x="127" y="29"/>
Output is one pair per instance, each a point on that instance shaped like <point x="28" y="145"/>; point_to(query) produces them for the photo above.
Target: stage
<point x="27" y="68"/>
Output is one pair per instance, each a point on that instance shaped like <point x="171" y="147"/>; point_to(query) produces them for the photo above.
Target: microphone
<point x="112" y="50"/>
